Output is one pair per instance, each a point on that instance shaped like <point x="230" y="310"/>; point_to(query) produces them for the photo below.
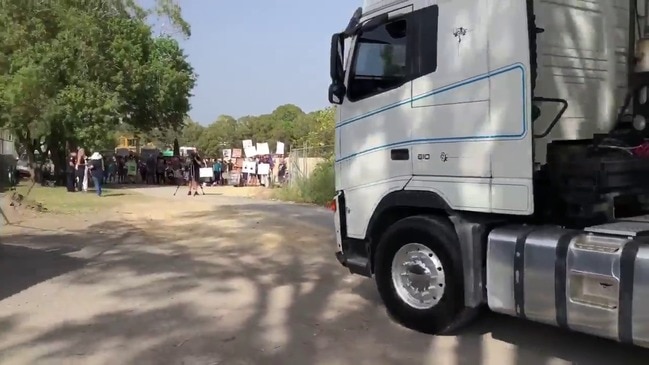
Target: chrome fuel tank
<point x="594" y="281"/>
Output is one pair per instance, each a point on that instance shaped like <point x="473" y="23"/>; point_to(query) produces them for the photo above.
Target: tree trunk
<point x="58" y="147"/>
<point x="31" y="159"/>
<point x="60" y="162"/>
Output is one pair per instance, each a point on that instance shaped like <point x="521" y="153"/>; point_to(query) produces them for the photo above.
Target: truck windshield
<point x="379" y="61"/>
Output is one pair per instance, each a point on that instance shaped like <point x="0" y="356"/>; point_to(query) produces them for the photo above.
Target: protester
<point x="142" y="167"/>
<point x="121" y="170"/>
<point x="160" y="169"/>
<point x="218" y="170"/>
<point x="96" y="166"/>
<point x="70" y="173"/>
<point x="131" y="169"/>
<point x="194" y="167"/>
<point x="112" y="169"/>
<point x="106" y="168"/>
<point x="150" y="166"/>
<point x="81" y="170"/>
<point x="271" y="175"/>
<point x="281" y="175"/>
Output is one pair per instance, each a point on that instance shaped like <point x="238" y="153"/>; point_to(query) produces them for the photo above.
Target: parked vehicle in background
<point x="22" y="167"/>
<point x="185" y="151"/>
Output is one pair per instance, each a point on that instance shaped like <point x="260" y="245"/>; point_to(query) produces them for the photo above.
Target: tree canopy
<point x="287" y="124"/>
<point x="72" y="72"/>
<point x="80" y="73"/>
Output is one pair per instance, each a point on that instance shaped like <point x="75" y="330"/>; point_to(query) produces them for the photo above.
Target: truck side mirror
<point x="337" y="88"/>
<point x="337" y="92"/>
<point x="336" y="70"/>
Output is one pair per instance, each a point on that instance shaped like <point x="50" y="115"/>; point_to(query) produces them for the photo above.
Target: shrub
<point x="318" y="188"/>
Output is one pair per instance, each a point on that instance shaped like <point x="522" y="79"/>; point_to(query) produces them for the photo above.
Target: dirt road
<point x="224" y="280"/>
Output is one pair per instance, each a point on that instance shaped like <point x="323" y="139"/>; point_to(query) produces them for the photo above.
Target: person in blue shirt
<point x="218" y="169"/>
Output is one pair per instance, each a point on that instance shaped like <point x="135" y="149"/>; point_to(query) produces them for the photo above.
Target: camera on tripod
<point x="194" y="158"/>
<point x="190" y="172"/>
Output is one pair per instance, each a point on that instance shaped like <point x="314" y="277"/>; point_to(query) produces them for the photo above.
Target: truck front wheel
<point x="418" y="273"/>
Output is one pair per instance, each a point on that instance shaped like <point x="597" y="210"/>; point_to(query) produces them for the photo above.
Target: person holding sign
<point x="131" y="169"/>
<point x="263" y="170"/>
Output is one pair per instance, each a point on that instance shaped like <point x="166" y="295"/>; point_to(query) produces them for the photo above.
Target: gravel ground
<point x="220" y="279"/>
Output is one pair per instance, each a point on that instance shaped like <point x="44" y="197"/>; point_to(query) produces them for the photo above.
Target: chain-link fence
<point x="302" y="161"/>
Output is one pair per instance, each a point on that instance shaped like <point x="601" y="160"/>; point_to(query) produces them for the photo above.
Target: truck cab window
<point x="379" y="62"/>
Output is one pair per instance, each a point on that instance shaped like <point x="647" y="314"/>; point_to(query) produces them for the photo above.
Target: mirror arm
<point x="336" y="58"/>
<point x="337" y="90"/>
<point x="333" y="62"/>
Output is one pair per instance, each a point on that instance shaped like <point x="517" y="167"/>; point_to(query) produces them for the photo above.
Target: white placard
<point x="263" y="169"/>
<point x="249" y="167"/>
<point x="246" y="143"/>
<point x="250" y="151"/>
<point x="227" y="154"/>
<point x="262" y="149"/>
<point x="205" y="172"/>
<point x="279" y="150"/>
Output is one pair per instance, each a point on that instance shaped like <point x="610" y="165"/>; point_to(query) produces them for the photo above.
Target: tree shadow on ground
<point x="291" y="212"/>
<point x="22" y="267"/>
<point x="111" y="194"/>
<point x="189" y="292"/>
<point x="7" y="324"/>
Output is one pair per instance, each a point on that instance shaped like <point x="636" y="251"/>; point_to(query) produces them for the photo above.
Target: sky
<point x="252" y="56"/>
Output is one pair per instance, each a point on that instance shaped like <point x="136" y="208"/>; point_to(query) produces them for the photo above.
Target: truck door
<point x="372" y="127"/>
<point x="450" y="101"/>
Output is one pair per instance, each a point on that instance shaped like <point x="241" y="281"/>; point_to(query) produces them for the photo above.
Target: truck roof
<point x="370" y="6"/>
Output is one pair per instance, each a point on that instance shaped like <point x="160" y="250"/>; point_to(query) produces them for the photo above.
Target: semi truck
<point x="492" y="153"/>
<point x="185" y="151"/>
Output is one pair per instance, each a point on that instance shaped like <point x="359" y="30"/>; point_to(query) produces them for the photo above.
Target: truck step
<point x="626" y="227"/>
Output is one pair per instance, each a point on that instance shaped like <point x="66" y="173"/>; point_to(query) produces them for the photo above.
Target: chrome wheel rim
<point x="418" y="276"/>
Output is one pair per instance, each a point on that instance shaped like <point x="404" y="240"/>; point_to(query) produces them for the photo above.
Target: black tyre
<point x="418" y="272"/>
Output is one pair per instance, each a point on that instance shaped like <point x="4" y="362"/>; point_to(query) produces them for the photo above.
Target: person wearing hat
<point x="96" y="165"/>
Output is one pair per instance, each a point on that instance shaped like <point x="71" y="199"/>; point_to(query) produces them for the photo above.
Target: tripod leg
<point x="177" y="187"/>
<point x="7" y="222"/>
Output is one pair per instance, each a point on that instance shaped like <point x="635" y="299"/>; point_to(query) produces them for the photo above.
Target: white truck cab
<point x="481" y="159"/>
<point x="186" y="151"/>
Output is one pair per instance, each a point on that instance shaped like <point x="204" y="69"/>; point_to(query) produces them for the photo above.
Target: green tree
<point x="190" y="133"/>
<point x="222" y="133"/>
<point x="322" y="131"/>
<point x="72" y="72"/>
